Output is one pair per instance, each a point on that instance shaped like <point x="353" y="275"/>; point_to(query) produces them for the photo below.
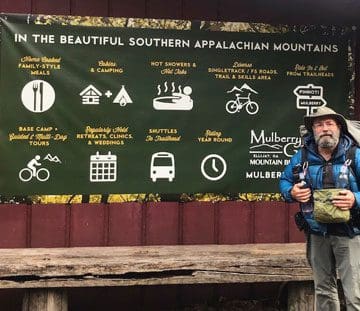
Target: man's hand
<point x="300" y="194"/>
<point x="344" y="200"/>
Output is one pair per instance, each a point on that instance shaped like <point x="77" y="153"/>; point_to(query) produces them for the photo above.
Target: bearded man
<point x="331" y="247"/>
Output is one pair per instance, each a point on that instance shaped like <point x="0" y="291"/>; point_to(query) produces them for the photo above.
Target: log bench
<point x="46" y="273"/>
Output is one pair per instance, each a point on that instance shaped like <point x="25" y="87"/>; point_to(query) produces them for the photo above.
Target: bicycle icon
<point x="235" y="105"/>
<point x="27" y="174"/>
<point x="30" y="172"/>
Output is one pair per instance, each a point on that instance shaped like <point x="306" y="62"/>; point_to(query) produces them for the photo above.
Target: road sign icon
<point x="309" y="97"/>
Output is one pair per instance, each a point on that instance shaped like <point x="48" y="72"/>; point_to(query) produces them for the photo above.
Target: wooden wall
<point x="168" y="223"/>
<point x="163" y="223"/>
<point x="275" y="11"/>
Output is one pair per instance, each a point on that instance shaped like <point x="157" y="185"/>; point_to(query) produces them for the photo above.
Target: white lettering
<point x="263" y="175"/>
<point x="272" y="138"/>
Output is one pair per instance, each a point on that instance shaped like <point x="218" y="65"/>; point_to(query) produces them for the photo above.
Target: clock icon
<point x="213" y="167"/>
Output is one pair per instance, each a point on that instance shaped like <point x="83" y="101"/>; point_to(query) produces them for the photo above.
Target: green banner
<point x="114" y="106"/>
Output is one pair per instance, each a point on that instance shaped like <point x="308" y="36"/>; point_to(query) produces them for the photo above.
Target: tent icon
<point x="122" y="97"/>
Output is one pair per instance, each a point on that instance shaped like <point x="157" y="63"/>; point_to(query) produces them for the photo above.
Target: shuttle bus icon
<point x="162" y="166"/>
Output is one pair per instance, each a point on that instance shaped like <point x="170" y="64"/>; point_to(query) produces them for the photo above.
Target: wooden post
<point x="45" y="299"/>
<point x="301" y="296"/>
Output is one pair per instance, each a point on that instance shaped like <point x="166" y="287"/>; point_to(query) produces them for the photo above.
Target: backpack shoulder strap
<point x="304" y="155"/>
<point x="350" y="155"/>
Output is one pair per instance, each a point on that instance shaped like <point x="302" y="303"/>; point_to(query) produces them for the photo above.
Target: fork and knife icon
<point x="38" y="96"/>
<point x="38" y="88"/>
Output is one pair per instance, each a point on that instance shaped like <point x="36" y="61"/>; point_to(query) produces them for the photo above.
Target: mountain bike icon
<point x="235" y="105"/>
<point x="30" y="172"/>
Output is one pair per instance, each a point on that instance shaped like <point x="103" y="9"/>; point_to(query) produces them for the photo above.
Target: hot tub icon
<point x="162" y="166"/>
<point x="180" y="100"/>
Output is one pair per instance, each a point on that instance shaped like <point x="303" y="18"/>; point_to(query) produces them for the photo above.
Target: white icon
<point x="108" y="93"/>
<point x="288" y="149"/>
<point x="103" y="168"/>
<point x="180" y="100"/>
<point x="32" y="171"/>
<point x="213" y="167"/>
<point x="242" y="99"/>
<point x="122" y="97"/>
<point x="38" y="96"/>
<point x="309" y="97"/>
<point x="90" y="95"/>
<point x="162" y="166"/>
<point x="51" y="158"/>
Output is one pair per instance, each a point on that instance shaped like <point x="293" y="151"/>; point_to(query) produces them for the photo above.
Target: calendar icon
<point x="103" y="168"/>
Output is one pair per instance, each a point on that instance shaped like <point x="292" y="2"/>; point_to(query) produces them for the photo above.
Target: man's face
<point x="326" y="132"/>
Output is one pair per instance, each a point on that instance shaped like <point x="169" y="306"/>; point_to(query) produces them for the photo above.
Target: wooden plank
<point x="48" y="225"/>
<point x="200" y="9"/>
<point x="13" y="225"/>
<point x="162" y="223"/>
<point x="243" y="11"/>
<point x="270" y="222"/>
<point x="235" y="222"/>
<point x="152" y="265"/>
<point x="158" y="9"/>
<point x="89" y="7"/>
<point x="91" y="225"/>
<point x="59" y="7"/>
<point x="199" y="223"/>
<point x="19" y="6"/>
<point x="125" y="224"/>
<point x="127" y="8"/>
<point x="88" y="224"/>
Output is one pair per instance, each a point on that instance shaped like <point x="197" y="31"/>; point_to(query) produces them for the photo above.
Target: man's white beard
<point x="327" y="142"/>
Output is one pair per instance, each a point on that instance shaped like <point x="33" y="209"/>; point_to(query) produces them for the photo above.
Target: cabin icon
<point x="90" y="95"/>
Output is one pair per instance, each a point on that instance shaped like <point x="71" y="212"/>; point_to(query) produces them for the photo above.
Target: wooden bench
<point x="47" y="272"/>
